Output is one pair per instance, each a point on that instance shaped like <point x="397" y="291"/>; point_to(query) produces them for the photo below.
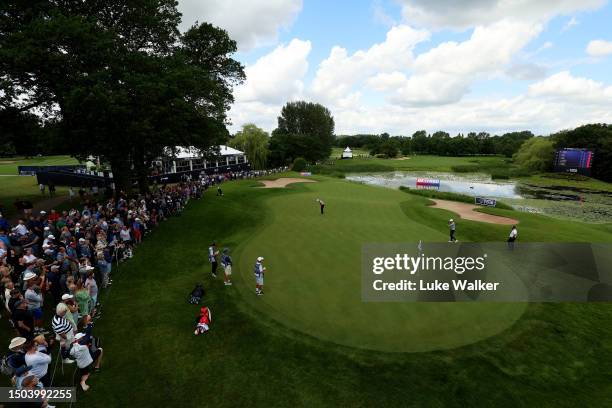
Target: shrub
<point x="299" y="164"/>
<point x="465" y="168"/>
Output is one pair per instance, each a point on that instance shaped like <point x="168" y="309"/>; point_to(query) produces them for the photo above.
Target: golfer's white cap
<point x="43" y="212"/>
<point x="67" y="296"/>
<point x="79" y="336"/>
<point x="451" y="220"/>
<point x="47" y="228"/>
<point x="260" y="258"/>
<point x="51" y="237"/>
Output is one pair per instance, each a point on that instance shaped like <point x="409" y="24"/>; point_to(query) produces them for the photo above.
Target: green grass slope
<point x="554" y="355"/>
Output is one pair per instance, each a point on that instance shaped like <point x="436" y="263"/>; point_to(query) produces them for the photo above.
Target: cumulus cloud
<point x="570" y="24"/>
<point x="526" y="71"/>
<point x="339" y="72"/>
<point x="386" y="81"/>
<point x="443" y="74"/>
<point x="469" y="13"/>
<point x="564" y="86"/>
<point x="599" y="48"/>
<point x="276" y="76"/>
<point x="250" y="23"/>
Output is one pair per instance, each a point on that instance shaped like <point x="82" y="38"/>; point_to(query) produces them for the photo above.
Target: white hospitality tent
<point x="189" y="159"/>
<point x="347" y="153"/>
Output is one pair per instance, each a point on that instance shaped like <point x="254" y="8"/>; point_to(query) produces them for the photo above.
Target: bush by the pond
<point x="444" y="195"/>
<point x="346" y="166"/>
<point x="465" y="168"/>
<point x="499" y="176"/>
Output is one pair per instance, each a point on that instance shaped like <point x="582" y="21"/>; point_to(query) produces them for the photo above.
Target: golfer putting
<point x="321" y="204"/>
<point x="259" y="276"/>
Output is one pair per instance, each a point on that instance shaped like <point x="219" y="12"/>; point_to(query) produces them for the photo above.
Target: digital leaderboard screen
<point x="577" y="161"/>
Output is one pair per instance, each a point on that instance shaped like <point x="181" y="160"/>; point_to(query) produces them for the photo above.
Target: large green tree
<point x="305" y="129"/>
<point x="536" y="154"/>
<point x="121" y="79"/>
<point x="254" y="142"/>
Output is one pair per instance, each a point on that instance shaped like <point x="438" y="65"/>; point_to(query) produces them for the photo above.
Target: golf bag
<point x="197" y="294"/>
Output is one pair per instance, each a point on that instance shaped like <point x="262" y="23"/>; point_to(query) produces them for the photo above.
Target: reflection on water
<point x="479" y="185"/>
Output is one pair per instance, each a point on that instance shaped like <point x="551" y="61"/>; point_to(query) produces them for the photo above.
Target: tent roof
<point x="348" y="149"/>
<point x="191" y="152"/>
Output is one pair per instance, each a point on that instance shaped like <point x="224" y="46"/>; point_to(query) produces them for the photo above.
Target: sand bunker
<point x="466" y="211"/>
<point x="283" y="182"/>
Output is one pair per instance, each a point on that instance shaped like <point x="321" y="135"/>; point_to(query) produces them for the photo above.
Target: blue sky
<point x="403" y="65"/>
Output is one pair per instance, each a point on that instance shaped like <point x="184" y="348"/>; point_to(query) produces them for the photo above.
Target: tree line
<point x="438" y="143"/>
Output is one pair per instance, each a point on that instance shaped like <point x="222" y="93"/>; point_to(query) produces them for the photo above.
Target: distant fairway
<point x="314" y="279"/>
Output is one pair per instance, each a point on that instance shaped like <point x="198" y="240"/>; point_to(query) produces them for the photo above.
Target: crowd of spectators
<point x="54" y="264"/>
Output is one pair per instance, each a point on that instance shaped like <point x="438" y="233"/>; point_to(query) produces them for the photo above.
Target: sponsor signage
<point x="488" y="202"/>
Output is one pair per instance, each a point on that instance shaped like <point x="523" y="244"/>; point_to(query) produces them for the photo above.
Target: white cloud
<point x="526" y="71"/>
<point x="339" y="72"/>
<point x="251" y="23"/>
<point x="387" y="81"/>
<point x="599" y="48"/>
<point x="570" y="24"/>
<point x="444" y="73"/>
<point x="488" y="48"/>
<point x="564" y="86"/>
<point x="431" y="88"/>
<point x="489" y="114"/>
<point x="469" y="13"/>
<point x="277" y="76"/>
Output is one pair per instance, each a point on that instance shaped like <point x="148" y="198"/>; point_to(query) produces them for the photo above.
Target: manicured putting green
<point x="313" y="282"/>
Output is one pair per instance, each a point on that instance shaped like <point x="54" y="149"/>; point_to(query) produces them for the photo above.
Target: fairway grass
<point x="314" y="273"/>
<point x="554" y="355"/>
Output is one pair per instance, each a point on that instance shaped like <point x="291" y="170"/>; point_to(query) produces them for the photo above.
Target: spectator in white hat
<point x="86" y="359"/>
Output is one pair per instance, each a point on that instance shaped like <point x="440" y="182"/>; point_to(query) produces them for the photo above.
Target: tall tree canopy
<point x="596" y="137"/>
<point x="254" y="142"/>
<point x="305" y="129"/>
<point x="122" y="79"/>
<point x="536" y="154"/>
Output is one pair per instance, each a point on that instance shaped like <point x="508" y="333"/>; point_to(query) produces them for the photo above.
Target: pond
<point x="479" y="185"/>
<point x="562" y="202"/>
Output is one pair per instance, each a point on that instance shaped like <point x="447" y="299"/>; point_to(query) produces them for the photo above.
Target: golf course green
<point x="310" y="341"/>
<point x="313" y="282"/>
